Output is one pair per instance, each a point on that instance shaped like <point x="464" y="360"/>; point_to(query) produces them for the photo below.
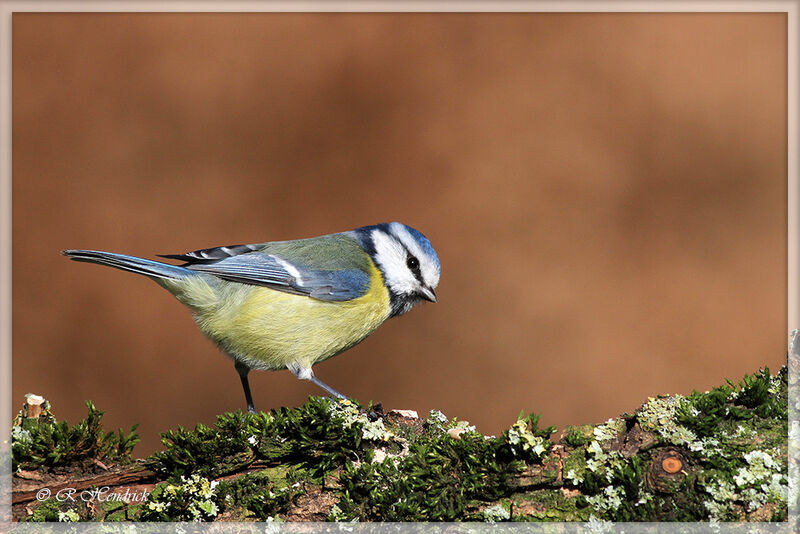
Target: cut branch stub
<point x="671" y="465"/>
<point x="668" y="469"/>
<point x="34" y="405"/>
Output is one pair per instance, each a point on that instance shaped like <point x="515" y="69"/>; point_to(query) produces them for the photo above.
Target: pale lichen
<point x="761" y="481"/>
<point x="723" y="495"/>
<point x="498" y="512"/>
<point x="706" y="446"/>
<point x="603" y="462"/>
<point x="599" y="526"/>
<point x="658" y="415"/>
<point x="609" y="430"/>
<point x="574" y="478"/>
<point x="437" y="418"/>
<point x="440" y="424"/>
<point x="191" y="500"/>
<point x="462" y="426"/>
<point x="520" y="438"/>
<point x="348" y="414"/>
<point x="609" y="499"/>
<point x="70" y="516"/>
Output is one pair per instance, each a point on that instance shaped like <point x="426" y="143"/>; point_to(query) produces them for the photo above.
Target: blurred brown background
<point x="606" y="192"/>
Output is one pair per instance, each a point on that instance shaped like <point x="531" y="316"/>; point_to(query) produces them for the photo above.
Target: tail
<point x="153" y="269"/>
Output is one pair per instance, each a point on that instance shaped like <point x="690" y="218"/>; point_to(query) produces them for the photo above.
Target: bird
<point x="292" y="304"/>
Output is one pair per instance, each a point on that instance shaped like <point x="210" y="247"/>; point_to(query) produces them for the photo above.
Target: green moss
<point x="547" y="505"/>
<point x="134" y="512"/>
<point x="46" y="512"/>
<point x="685" y="505"/>
<point x="54" y="510"/>
<point x="574" y="468"/>
<point x="440" y="477"/>
<point x="109" y="510"/>
<point x="258" y="495"/>
<point x="115" y="517"/>
<point x="577" y="436"/>
<point x="110" y="505"/>
<point x="46" y="442"/>
<point x="756" y="396"/>
<point x="731" y="441"/>
<point x="322" y="435"/>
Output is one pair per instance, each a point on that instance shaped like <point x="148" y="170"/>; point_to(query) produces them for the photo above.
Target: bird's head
<point x="407" y="260"/>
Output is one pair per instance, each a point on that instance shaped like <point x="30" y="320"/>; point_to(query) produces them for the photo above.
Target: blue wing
<point x="279" y="269"/>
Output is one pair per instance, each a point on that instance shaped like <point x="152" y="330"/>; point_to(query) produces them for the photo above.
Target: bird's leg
<point x="243" y="370"/>
<point x="327" y="388"/>
<point x="305" y="373"/>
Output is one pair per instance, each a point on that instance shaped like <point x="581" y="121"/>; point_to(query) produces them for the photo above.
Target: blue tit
<point x="292" y="304"/>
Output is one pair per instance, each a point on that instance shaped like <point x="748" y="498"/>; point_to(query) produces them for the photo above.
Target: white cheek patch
<point x="291" y="269"/>
<point x="391" y="256"/>
<point x="431" y="273"/>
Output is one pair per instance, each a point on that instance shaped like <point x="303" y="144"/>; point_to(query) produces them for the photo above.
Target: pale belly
<point x="269" y="329"/>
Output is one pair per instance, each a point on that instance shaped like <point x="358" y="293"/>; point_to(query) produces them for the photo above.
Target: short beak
<point x="428" y="294"/>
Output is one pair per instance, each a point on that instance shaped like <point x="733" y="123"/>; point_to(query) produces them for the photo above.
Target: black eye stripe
<point x="413" y="264"/>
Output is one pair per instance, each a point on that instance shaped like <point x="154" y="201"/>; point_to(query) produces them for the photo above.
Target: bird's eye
<point x="412" y="262"/>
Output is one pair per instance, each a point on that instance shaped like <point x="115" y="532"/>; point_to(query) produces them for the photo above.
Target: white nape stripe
<point x="291" y="269"/>
<point x="411" y="244"/>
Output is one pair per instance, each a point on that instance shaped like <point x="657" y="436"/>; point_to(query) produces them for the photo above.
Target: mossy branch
<point x="718" y="455"/>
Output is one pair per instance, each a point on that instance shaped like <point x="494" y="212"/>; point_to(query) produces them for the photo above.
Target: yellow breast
<point x="270" y="329"/>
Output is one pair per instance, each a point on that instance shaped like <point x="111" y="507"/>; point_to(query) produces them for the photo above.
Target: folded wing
<point x="284" y="267"/>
